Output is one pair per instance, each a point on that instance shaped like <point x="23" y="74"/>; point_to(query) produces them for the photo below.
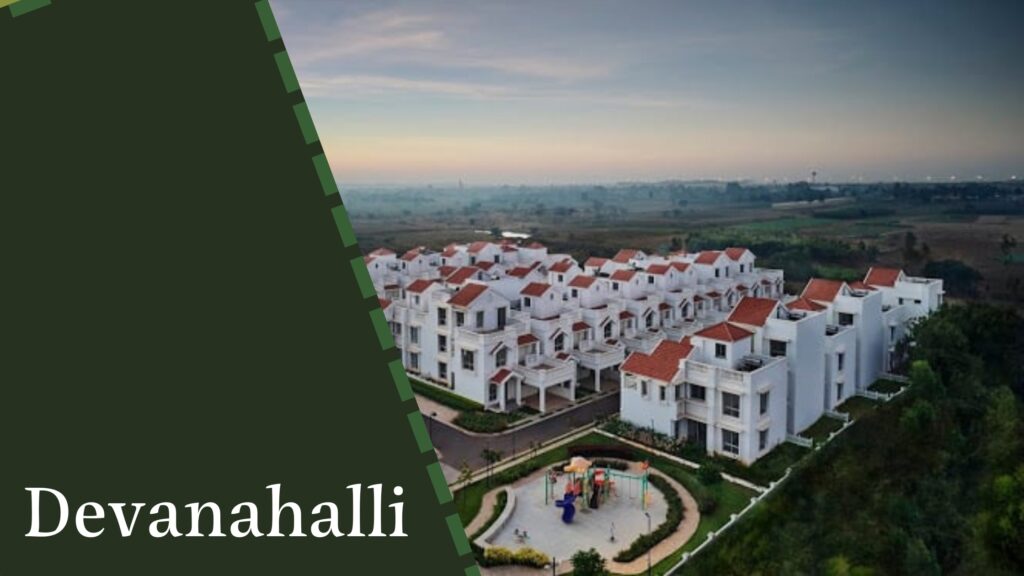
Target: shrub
<point x="588" y="563"/>
<point x="673" y="517"/>
<point x="483" y="422"/>
<point x="530" y="557"/>
<point x="706" y="503"/>
<point x="597" y="450"/>
<point x="497" y="556"/>
<point x="443" y="396"/>
<point x="709" y="473"/>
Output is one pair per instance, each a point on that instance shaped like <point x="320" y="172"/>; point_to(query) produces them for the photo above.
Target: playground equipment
<point x="592" y="486"/>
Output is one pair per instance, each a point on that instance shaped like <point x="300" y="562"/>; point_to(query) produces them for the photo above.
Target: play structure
<point x="591" y="487"/>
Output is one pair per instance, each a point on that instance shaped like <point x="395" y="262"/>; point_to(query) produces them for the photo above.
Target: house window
<point x="719" y="350"/>
<point x="442" y="343"/>
<point x="615" y="286"/>
<point x="677" y="393"/>
<point x="649" y="320"/>
<point x="840" y="358"/>
<point x="892" y="333"/>
<point x="661" y="393"/>
<point x="472" y="260"/>
<point x="608" y="330"/>
<point x="527" y="301"/>
<point x="480" y="319"/>
<point x="442" y="317"/>
<point x="559" y="343"/>
<point x="730" y="405"/>
<point x="575" y="293"/>
<point x="650" y="279"/>
<point x="762" y="439"/>
<point x="468" y="360"/>
<point x="460" y="318"/>
<point x="492" y="392"/>
<point x="414" y="334"/>
<point x="839" y="391"/>
<point x="845" y="319"/>
<point x="763" y="396"/>
<point x="561" y="278"/>
<point x="776" y="348"/>
<point x="643" y="388"/>
<point x="502" y="317"/>
<point x="442" y="370"/>
<point x="730" y="442"/>
<point x="416" y="300"/>
<point x="741" y="268"/>
<point x="716" y="273"/>
<point x="698" y="392"/>
<point x="501" y="358"/>
<point x="497" y="258"/>
<point x="414" y="361"/>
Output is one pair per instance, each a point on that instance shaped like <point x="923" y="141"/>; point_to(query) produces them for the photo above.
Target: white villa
<point x="704" y="346"/>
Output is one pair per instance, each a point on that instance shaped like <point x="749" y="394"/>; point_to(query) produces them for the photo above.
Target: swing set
<point x="592" y="486"/>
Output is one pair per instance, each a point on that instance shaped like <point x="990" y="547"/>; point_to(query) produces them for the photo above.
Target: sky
<point x="432" y="92"/>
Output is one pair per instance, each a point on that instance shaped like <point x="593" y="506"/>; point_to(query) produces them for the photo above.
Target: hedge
<point x="673" y="518"/>
<point x="443" y="396"/>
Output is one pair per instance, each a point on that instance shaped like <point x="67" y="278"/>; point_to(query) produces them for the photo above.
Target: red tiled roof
<point x="882" y="276"/>
<point x="519" y="272"/>
<point x="822" y="290"/>
<point x="805" y="304"/>
<point x="446" y="271"/>
<point x="450" y="250"/>
<point x="384" y="302"/>
<point x="753" y="311"/>
<point x="382" y="252"/>
<point x="563" y="266"/>
<point x="462" y="274"/>
<point x="595" y="261"/>
<point x="625" y="314"/>
<point x="535" y="246"/>
<point x="713" y="294"/>
<point x="735" y="253"/>
<point x="766" y="282"/>
<point x="664" y="306"/>
<point x="476" y="247"/>
<point x="418" y="286"/>
<point x="535" y="289"/>
<point x="582" y="281"/>
<point x="623" y="256"/>
<point x="368" y="259"/>
<point x="507" y="248"/>
<point x="577" y="326"/>
<point x="467" y="295"/>
<point x="698" y="298"/>
<point x="741" y="287"/>
<point x="623" y="275"/>
<point x="485" y="265"/>
<point x="681" y="266"/>
<point x="662" y="364"/>
<point x="657" y="269"/>
<point x="501" y="375"/>
<point x="724" y="332"/>
<point x="525" y="339"/>
<point x="412" y="254"/>
<point x="858" y="285"/>
<point x="707" y="257"/>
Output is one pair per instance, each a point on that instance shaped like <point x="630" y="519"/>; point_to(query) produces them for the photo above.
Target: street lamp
<point x="648" y="514"/>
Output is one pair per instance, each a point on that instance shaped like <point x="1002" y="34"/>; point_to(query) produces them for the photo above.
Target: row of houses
<point x="704" y="346"/>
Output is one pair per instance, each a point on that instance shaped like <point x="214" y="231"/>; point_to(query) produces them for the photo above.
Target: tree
<point x="465" y="475"/>
<point x="491" y="457"/>
<point x="588" y="563"/>
<point x="1004" y="518"/>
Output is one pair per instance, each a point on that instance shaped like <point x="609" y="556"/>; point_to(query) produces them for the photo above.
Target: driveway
<point x="458" y="447"/>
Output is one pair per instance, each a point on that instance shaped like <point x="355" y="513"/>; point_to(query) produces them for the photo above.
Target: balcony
<point x="682" y="328"/>
<point x="542" y="372"/>
<point x="644" y="341"/>
<point x="483" y="337"/>
<point x="597" y="355"/>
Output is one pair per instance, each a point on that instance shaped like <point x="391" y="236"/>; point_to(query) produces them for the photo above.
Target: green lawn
<point x="730" y="497"/>
<point x="781" y="224"/>
<point x="472" y="415"/>
<point x="886" y="386"/>
<point x="820" y="430"/>
<point x="442" y="396"/>
<point x="857" y="406"/>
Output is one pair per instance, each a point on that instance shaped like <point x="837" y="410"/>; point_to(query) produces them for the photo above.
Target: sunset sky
<point x="595" y="91"/>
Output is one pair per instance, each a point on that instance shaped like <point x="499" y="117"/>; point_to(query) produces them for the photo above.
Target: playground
<point x="580" y="505"/>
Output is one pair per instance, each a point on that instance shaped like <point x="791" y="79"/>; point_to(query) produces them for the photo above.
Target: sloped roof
<point x="623" y="275"/>
<point x="662" y="363"/>
<point x="382" y="252"/>
<point x="485" y="265"/>
<point x="535" y="289"/>
<point x="822" y="290"/>
<point x="595" y="261"/>
<point x="467" y="295"/>
<point x="563" y="266"/>
<point x="858" y="285"/>
<point x="462" y="274"/>
<point x="412" y="254"/>
<point x="707" y="257"/>
<point x="418" y="286"/>
<point x="577" y="326"/>
<point x="735" y="253"/>
<point x="582" y="281"/>
<point x="878" y="276"/>
<point x="805" y="304"/>
<point x="500" y="376"/>
<point x="525" y="339"/>
<point x="681" y="266"/>
<point x="450" y="250"/>
<point x="623" y="256"/>
<point x="476" y="247"/>
<point x="384" y="302"/>
<point x="753" y="311"/>
<point x="658" y="269"/>
<point x="724" y="332"/>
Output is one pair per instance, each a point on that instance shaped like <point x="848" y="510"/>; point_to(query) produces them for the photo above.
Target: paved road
<point x="457" y="447"/>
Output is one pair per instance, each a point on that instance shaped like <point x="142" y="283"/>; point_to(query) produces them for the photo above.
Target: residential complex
<point x="704" y="346"/>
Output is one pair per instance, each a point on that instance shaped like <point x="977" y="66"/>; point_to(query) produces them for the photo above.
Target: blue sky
<point x="600" y="91"/>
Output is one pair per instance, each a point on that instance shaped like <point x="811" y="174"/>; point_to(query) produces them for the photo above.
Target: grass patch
<point x="472" y="415"/>
<point x="857" y="406"/>
<point x="486" y="422"/>
<point x="820" y="430"/>
<point x="499" y="507"/>
<point x="884" y="386"/>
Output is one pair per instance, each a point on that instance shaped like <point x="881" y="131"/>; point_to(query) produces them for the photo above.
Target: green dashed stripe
<point x="362" y="277"/>
<point x="348" y="237"/>
<point x="20" y="7"/>
<point x="419" y="430"/>
<point x="267" y="20"/>
<point x="323" y="171"/>
<point x="284" y="66"/>
<point x="458" y="535"/>
<point x="305" y="123"/>
<point x="444" y="495"/>
<point x="380" y="324"/>
<point x="473" y="570"/>
<point x="401" y="380"/>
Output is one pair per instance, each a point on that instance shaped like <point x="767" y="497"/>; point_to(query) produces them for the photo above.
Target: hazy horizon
<point x="603" y="92"/>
